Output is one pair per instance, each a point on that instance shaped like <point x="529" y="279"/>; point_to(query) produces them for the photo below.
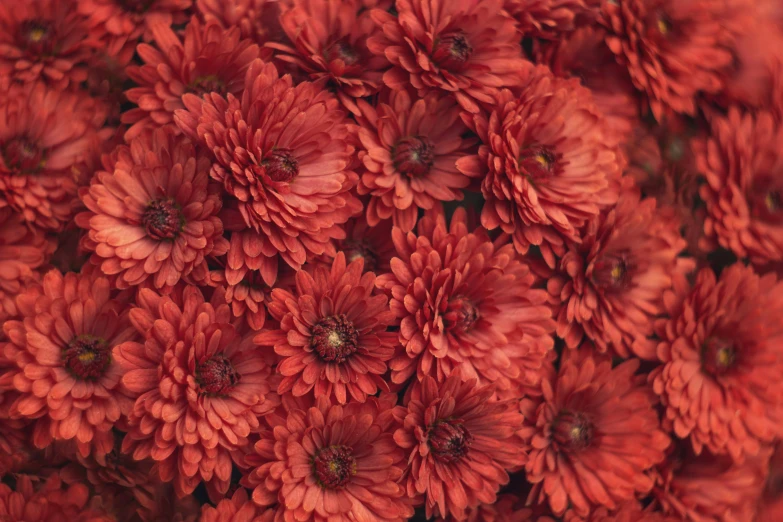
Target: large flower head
<point x="409" y="148"/>
<point x="463" y="300"/>
<point x="44" y="40"/>
<point x="593" y="436"/>
<point x="547" y="163"/>
<point x="467" y="48"/>
<point x="673" y="49"/>
<point x="331" y="463"/>
<point x="332" y="337"/>
<point x="198" y="388"/>
<point x="152" y="213"/>
<point x="720" y="349"/>
<point x="283" y="152"/>
<point x="459" y="442"/>
<point x="208" y="59"/>
<point x="63" y="369"/>
<point x="44" y="133"/>
<point x="611" y="286"/>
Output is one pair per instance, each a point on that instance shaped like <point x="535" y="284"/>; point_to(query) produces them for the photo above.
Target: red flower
<point x="721" y="361"/>
<point x="546" y="162"/>
<point x="44" y="40"/>
<point x="770" y="507"/>
<point x="330" y="42"/>
<point x="331" y="462"/>
<point x="193" y="375"/>
<point x="545" y="18"/>
<point x="152" y="214"/>
<point x="61" y="349"/>
<point x="283" y="152"/>
<point x="50" y="502"/>
<point x="208" y="59"/>
<point x="236" y="509"/>
<point x="332" y="336"/>
<point x="673" y="49"/>
<point x="459" y="442"/>
<point x="628" y="512"/>
<point x="507" y="508"/>
<point x="611" y="286"/>
<point x="372" y="244"/>
<point x="409" y="150"/>
<point x="43" y="135"/>
<point x="256" y="19"/>
<point x="468" y="48"/>
<point x="593" y="436"/>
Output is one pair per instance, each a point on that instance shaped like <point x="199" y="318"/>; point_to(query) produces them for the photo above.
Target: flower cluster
<point x="391" y="260"/>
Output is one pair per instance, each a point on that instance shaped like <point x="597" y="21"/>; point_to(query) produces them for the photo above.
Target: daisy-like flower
<point x="258" y="20"/>
<point x="44" y="40"/>
<point x="44" y="133"/>
<point x="467" y="48"/>
<point x="238" y="508"/>
<point x="331" y="462"/>
<point x="463" y="300"/>
<point x="674" y="50"/>
<point x="332" y="337"/>
<point x="208" y="59"/>
<point x="63" y="370"/>
<point x="611" y="286"/>
<point x="283" y="152"/>
<point x="409" y="150"/>
<point x="740" y="160"/>
<point x="198" y="388"/>
<point x="546" y="161"/>
<point x="51" y="501"/>
<point x="548" y="19"/>
<point x="459" y="442"/>
<point x="152" y="213"/>
<point x="720" y="353"/>
<point x="330" y="41"/>
<point x="593" y="435"/>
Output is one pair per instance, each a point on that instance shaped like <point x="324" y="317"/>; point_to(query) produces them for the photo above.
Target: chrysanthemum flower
<point x="674" y="50"/>
<point x="507" y="508"/>
<point x="770" y="508"/>
<point x="238" y="508"/>
<point x="152" y="213"/>
<point x="372" y="244"/>
<point x="283" y="152"/>
<point x="51" y="501"/>
<point x="611" y="286"/>
<point x="64" y="373"/>
<point x="198" y="388"/>
<point x="256" y="19"/>
<point x="44" y="40"/>
<point x="330" y="41"/>
<point x="743" y="194"/>
<point x="332" y="336"/>
<point x="467" y="48"/>
<point x="459" y="442"/>
<point x="720" y="349"/>
<point x="548" y="19"/>
<point x="630" y="511"/>
<point x="44" y="133"/>
<point x="331" y="462"/>
<point x="546" y="162"/>
<point x="593" y="436"/>
<point x="208" y="59"/>
<point x="409" y="149"/>
<point x="464" y="300"/>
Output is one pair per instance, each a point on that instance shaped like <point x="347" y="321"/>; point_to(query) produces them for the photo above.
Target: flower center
<point x="206" y="84"/>
<point x="361" y="250"/>
<point x="38" y="36"/>
<point x="765" y="199"/>
<point x="461" y="314"/>
<point x="611" y="272"/>
<point x="281" y="165"/>
<point x="413" y="156"/>
<point x="334" y="338"/>
<point x="452" y="50"/>
<point x="663" y="25"/>
<point x="537" y="162"/>
<point x="573" y="430"/>
<point x="718" y="355"/>
<point x="23" y="156"/>
<point x="87" y="357"/>
<point x="342" y="50"/>
<point x="449" y="440"/>
<point x="136" y="6"/>
<point x="334" y="466"/>
<point x="216" y="376"/>
<point x="163" y="219"/>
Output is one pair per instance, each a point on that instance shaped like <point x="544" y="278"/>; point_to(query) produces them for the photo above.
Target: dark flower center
<point x="342" y="50"/>
<point x="334" y="338"/>
<point x="38" y="36"/>
<point x="216" y="376"/>
<point x="23" y="156"/>
<point x="281" y="165"/>
<point x="358" y="249"/>
<point x="449" y="440"/>
<point x="461" y="314"/>
<point x="452" y="50"/>
<point x="573" y="430"/>
<point x="87" y="357"/>
<point x="334" y="466"/>
<point x="537" y="162"/>
<point x="413" y="156"/>
<point x="765" y="199"/>
<point x="719" y="355"/>
<point x="611" y="272"/>
<point x="163" y="219"/>
<point x="136" y="6"/>
<point x="206" y="84"/>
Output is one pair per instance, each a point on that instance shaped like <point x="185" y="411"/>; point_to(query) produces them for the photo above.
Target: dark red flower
<point x="549" y="19"/>
<point x="51" y="501"/>
<point x="371" y="244"/>
<point x="238" y="508"/>
<point x="507" y="508"/>
<point x="256" y="19"/>
<point x="630" y="511"/>
<point x="770" y="508"/>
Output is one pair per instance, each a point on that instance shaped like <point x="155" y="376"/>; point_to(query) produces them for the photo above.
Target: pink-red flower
<point x="238" y="508"/>
<point x="549" y="19"/>
<point x="258" y="20"/>
<point x="50" y="501"/>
